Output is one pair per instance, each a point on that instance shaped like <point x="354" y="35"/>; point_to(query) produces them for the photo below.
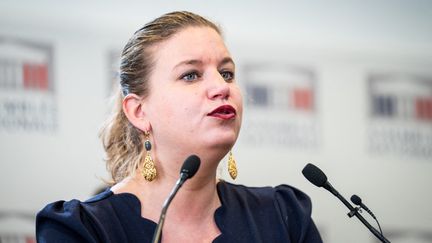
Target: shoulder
<point x="71" y="220"/>
<point x="281" y="206"/>
<point x="70" y="209"/>
<point x="282" y="195"/>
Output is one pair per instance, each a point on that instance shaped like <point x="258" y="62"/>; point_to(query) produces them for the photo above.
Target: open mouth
<point x="223" y="112"/>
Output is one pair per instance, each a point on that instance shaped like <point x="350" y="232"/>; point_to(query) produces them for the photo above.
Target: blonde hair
<point x="123" y="143"/>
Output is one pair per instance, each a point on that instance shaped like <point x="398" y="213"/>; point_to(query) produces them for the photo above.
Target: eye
<point x="227" y="75"/>
<point x="190" y="76"/>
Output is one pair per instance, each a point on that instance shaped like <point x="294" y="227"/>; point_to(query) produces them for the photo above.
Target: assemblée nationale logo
<point x="400" y="114"/>
<point x="281" y="106"/>
<point x="27" y="92"/>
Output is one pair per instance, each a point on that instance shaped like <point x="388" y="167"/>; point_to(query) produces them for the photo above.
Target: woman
<point x="179" y="97"/>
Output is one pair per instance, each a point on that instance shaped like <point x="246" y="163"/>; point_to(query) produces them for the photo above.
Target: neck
<point x="195" y="200"/>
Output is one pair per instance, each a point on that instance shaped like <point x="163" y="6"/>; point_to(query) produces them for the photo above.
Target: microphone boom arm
<point x="188" y="170"/>
<point x="319" y="179"/>
<point x="158" y="231"/>
<point x="355" y="212"/>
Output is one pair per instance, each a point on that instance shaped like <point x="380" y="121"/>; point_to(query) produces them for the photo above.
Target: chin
<point x="219" y="138"/>
<point x="223" y="142"/>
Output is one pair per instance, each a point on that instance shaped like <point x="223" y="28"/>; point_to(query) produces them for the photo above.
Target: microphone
<point x="319" y="179"/>
<point x="187" y="171"/>
<point x="357" y="201"/>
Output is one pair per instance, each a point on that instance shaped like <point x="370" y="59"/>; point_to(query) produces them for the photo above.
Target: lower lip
<point x="224" y="116"/>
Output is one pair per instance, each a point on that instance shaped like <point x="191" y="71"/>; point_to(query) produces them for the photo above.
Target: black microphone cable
<point x="357" y="201"/>
<point x="319" y="179"/>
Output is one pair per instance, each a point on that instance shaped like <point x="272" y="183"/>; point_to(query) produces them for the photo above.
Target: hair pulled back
<point x="123" y="143"/>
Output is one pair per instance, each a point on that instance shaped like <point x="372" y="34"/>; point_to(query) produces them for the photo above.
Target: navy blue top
<point x="247" y="214"/>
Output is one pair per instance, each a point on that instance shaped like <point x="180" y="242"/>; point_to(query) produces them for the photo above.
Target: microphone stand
<point x="179" y="183"/>
<point x="354" y="212"/>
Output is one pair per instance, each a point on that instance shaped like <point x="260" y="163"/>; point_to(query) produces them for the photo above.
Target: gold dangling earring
<point x="148" y="170"/>
<point x="232" y="167"/>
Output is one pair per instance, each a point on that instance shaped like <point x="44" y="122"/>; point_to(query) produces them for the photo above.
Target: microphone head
<point x="356" y="200"/>
<point x="190" y="166"/>
<point x="314" y="175"/>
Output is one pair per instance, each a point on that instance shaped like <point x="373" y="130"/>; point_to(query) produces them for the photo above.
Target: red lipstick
<point x="224" y="112"/>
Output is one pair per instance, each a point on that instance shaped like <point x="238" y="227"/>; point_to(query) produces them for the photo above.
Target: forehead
<point x="201" y="43"/>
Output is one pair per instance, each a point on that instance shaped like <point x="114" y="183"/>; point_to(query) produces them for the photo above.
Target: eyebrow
<point x="227" y="60"/>
<point x="199" y="62"/>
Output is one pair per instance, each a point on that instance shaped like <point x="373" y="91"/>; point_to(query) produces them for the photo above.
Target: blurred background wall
<point x="346" y="85"/>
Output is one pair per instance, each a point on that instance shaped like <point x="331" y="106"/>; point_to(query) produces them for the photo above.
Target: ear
<point x="132" y="107"/>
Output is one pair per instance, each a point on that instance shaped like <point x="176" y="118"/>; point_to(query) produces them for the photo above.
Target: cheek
<point x="161" y="109"/>
<point x="238" y="98"/>
<point x="182" y="107"/>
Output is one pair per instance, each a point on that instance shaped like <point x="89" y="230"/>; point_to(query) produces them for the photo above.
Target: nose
<point x="219" y="88"/>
